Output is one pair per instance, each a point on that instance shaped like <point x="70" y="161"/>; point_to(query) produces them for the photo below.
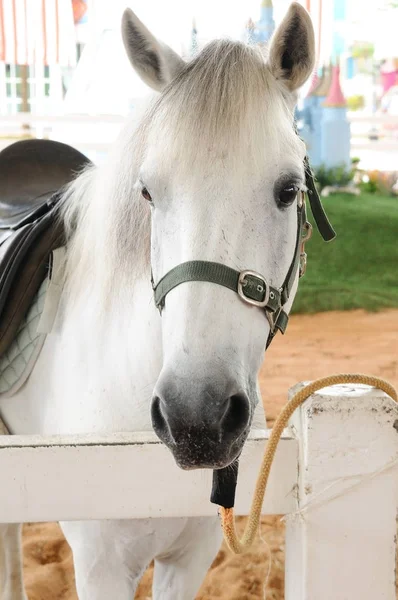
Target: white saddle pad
<point x="17" y="363"/>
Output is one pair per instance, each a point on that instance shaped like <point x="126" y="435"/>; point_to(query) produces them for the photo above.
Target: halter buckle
<point x="242" y="283"/>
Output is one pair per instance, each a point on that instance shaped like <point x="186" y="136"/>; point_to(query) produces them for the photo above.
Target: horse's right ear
<point x="155" y="62"/>
<point x="292" y="48"/>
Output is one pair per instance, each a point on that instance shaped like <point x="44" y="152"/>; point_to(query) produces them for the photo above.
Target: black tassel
<point x="224" y="485"/>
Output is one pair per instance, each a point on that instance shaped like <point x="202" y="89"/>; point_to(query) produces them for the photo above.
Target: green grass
<point x="359" y="269"/>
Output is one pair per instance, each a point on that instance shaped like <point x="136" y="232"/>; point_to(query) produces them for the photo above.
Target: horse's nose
<point x="202" y="430"/>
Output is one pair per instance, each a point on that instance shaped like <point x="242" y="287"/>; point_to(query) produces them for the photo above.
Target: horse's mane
<point x="225" y="101"/>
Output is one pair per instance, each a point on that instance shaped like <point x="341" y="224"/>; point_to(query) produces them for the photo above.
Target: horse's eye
<point x="288" y="195"/>
<point x="146" y="194"/>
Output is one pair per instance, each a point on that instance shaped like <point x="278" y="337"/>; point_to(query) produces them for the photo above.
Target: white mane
<point x="225" y="103"/>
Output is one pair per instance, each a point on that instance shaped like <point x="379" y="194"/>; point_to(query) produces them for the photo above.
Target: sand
<point x="314" y="346"/>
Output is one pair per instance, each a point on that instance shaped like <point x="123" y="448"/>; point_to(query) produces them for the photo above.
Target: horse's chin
<point x="208" y="458"/>
<point x="191" y="466"/>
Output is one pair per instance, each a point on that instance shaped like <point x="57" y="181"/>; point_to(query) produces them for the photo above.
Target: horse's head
<point x="222" y="173"/>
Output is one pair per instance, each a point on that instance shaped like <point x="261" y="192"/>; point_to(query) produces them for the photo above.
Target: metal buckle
<point x="303" y="254"/>
<point x="242" y="283"/>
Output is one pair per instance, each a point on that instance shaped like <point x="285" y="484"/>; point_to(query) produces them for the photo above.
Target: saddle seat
<point x="31" y="174"/>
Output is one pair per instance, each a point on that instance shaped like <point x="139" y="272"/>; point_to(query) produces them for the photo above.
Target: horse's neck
<point x="95" y="378"/>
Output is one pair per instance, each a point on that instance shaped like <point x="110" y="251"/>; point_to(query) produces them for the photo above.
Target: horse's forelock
<point x="224" y="102"/>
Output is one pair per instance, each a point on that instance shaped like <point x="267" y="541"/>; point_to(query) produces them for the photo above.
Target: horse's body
<point x="212" y="151"/>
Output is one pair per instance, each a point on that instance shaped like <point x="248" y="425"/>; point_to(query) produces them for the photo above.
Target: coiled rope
<point x="227" y="514"/>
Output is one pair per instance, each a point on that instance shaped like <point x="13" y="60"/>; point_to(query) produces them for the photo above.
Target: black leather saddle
<point x="32" y="172"/>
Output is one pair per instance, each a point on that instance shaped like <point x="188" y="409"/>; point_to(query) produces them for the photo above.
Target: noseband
<point x="251" y="286"/>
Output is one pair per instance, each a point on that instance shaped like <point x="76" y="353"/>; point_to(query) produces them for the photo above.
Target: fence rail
<point x="373" y="137"/>
<point x="373" y="119"/>
<point x="32" y="118"/>
<point x="46" y="122"/>
<point x="125" y="476"/>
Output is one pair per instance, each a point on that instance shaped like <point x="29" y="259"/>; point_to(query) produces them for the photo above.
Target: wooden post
<point x="342" y="545"/>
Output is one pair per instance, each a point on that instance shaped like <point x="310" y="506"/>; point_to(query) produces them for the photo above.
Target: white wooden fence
<point x="96" y="132"/>
<point x="374" y="138"/>
<point x="335" y="478"/>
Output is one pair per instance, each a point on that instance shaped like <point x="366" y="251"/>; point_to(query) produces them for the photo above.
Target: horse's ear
<point x="292" y="51"/>
<point x="155" y="62"/>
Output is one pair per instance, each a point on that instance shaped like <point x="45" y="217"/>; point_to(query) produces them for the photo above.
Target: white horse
<point x="213" y="172"/>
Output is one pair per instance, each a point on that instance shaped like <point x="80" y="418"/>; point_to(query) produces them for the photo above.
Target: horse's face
<point x="222" y="173"/>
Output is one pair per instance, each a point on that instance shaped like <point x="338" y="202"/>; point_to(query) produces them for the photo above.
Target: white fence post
<point x="341" y="544"/>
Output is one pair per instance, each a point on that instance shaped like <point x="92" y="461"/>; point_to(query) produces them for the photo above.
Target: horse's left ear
<point x="156" y="63"/>
<point x="292" y="51"/>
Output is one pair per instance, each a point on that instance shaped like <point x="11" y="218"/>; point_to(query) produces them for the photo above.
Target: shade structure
<point x="37" y="31"/>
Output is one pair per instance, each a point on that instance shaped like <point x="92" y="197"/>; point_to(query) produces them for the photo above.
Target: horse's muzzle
<point x="202" y="430"/>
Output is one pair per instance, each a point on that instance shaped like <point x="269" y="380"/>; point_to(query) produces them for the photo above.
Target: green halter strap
<point x="250" y="286"/>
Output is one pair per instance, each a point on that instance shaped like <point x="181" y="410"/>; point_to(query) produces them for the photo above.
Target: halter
<point x="251" y="286"/>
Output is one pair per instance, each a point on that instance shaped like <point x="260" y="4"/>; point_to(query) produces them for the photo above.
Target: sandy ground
<point x="314" y="346"/>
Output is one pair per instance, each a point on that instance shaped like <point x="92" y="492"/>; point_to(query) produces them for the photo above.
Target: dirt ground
<point x="314" y="346"/>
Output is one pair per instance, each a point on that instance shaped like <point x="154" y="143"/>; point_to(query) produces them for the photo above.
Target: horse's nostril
<point x="236" y="417"/>
<point x="158" y="420"/>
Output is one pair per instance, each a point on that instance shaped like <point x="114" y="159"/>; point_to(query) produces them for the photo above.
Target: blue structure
<point x="339" y="17"/>
<point x="335" y="128"/>
<point x="305" y="114"/>
<point x="311" y="115"/>
<point x="325" y="128"/>
<point x="261" y="31"/>
<point x="350" y="67"/>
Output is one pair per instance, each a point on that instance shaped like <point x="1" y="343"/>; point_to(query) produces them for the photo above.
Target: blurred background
<point x="64" y="76"/>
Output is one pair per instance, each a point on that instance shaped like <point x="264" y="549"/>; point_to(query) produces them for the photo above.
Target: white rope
<point x="227" y="514"/>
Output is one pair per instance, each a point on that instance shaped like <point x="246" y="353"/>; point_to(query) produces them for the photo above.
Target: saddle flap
<point x="31" y="174"/>
<point x="23" y="266"/>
